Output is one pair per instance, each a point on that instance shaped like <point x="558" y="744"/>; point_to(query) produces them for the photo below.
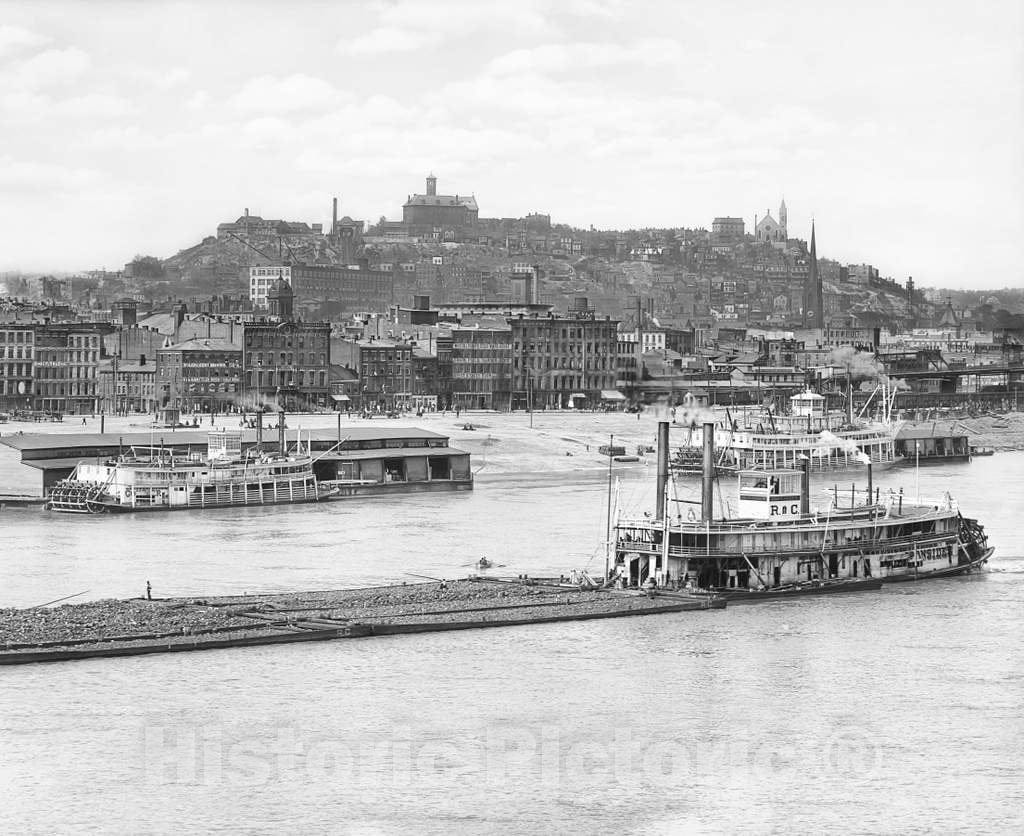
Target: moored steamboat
<point x="832" y="440"/>
<point x="777" y="545"/>
<point x="161" y="479"/>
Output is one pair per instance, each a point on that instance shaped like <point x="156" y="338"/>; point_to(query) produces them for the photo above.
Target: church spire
<point x="815" y="301"/>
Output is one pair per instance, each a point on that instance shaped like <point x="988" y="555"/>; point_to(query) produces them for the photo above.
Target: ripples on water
<point x="897" y="711"/>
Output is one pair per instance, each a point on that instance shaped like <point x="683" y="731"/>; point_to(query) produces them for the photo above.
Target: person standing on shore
<point x="149" y="592"/>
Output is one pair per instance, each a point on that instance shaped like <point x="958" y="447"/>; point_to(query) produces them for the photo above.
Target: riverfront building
<point x="565" y="361"/>
<point x="16" y="355"/>
<point x="200" y="375"/>
<point x="286" y="363"/>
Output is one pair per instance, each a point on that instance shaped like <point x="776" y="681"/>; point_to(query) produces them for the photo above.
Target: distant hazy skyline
<point x="131" y="127"/>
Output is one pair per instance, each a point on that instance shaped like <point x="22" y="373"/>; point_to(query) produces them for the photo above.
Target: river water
<point x="896" y="711"/>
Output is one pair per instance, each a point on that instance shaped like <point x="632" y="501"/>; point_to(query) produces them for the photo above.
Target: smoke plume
<point x="828" y="441"/>
<point x="862" y="365"/>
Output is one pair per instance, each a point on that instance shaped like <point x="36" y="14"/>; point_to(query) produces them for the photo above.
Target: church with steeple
<point x="814" y="296"/>
<point x="767" y="230"/>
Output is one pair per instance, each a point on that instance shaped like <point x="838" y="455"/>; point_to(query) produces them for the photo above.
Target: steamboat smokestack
<point x="849" y="399"/>
<point x="871" y="484"/>
<point x="805" y="485"/>
<point x="707" y="494"/>
<point x="281" y="443"/>
<point x="662" y="469"/>
<point x="259" y="429"/>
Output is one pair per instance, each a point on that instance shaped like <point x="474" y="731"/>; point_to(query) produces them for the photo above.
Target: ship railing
<point x="902" y="546"/>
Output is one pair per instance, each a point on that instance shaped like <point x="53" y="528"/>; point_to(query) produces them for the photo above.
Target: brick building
<point x="432" y="213"/>
<point x="65" y="366"/>
<point x="17" y="343"/>
<point x="384" y="368"/>
<point x="200" y="375"/>
<point x="333" y="292"/>
<point x="558" y="361"/>
<point x="126" y="386"/>
<point x="287" y="364"/>
<point x="482" y="365"/>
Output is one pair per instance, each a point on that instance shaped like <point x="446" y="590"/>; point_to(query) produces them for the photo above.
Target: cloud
<point x="13" y="38"/>
<point x="30" y="177"/>
<point x="93" y="104"/>
<point x="198" y="100"/>
<point x="51" y="67"/>
<point x="387" y="39"/>
<point x="564" y="57"/>
<point x="285" y="95"/>
<point x="162" y="79"/>
<point x="408" y="25"/>
<point x="26" y="106"/>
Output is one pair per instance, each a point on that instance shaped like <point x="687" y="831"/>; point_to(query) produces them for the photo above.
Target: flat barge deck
<point x="138" y="627"/>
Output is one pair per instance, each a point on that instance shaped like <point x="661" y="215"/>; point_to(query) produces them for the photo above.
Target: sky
<point x="137" y="127"/>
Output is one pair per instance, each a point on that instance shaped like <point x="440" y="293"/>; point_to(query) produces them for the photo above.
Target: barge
<point x="141" y="627"/>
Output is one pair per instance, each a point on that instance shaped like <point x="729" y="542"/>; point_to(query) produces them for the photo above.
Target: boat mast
<point x="608" y="538"/>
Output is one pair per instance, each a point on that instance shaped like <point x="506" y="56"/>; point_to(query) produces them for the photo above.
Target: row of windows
<point x="16" y="369"/>
<point x="542" y="363"/>
<point x="61" y="355"/>
<point x="265" y="380"/>
<point x="82" y="388"/>
<point x="274" y="340"/>
<point x="64" y="372"/>
<point x="16" y="336"/>
<point x="288" y="358"/>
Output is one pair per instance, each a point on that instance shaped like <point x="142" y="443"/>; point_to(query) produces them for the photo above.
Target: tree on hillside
<point x="147" y="267"/>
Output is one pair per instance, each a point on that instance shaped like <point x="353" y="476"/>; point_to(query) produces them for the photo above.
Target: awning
<point x="577" y="395"/>
<point x="612" y="395"/>
<point x="340" y="398"/>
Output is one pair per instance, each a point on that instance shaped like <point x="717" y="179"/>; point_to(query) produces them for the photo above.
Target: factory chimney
<point x="334" y="218"/>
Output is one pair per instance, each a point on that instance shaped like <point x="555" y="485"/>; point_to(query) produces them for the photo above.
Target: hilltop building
<point x="254" y="227"/>
<point x="728" y="228"/>
<point x="771" y="231"/>
<point x="439" y="215"/>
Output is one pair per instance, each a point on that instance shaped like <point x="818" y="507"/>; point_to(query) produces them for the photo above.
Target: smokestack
<point x="871" y="484"/>
<point x="259" y="429"/>
<point x="805" y="485"/>
<point x="849" y="398"/>
<point x="334" y="218"/>
<point x="281" y="443"/>
<point x="707" y="494"/>
<point x="662" y="469"/>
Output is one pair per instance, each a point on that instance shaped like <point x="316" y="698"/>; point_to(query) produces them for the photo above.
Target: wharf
<point x="136" y="627"/>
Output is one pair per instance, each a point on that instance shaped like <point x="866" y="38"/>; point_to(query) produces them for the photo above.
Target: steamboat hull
<point x="101" y="507"/>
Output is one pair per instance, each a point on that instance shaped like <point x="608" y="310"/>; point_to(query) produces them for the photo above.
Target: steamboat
<point x="832" y="440"/>
<point x="776" y="544"/>
<point x="162" y="479"/>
